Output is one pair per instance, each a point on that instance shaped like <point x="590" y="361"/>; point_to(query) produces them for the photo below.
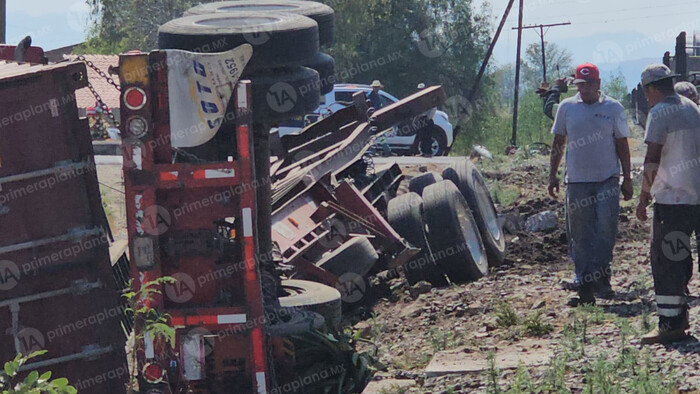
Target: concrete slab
<point x="387" y="385"/>
<point x="531" y="352"/>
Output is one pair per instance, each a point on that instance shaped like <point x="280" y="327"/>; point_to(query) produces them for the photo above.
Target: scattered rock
<point x="365" y="329"/>
<point x="419" y="288"/>
<point x="388" y="385"/>
<point x="538" y="305"/>
<point x="542" y="221"/>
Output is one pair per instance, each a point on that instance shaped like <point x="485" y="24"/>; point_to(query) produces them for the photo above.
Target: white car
<point x="402" y="138"/>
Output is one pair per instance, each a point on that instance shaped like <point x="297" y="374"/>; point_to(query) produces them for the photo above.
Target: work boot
<point x="585" y="296"/>
<point x="603" y="289"/>
<point x="669" y="330"/>
<point x="659" y="335"/>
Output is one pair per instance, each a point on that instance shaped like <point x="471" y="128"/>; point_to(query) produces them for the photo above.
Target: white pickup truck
<point x="402" y="139"/>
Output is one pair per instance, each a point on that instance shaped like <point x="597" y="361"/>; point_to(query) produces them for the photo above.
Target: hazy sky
<point x="611" y="33"/>
<point x="602" y="31"/>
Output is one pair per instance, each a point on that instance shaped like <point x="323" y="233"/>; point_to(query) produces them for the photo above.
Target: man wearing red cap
<point x="592" y="128"/>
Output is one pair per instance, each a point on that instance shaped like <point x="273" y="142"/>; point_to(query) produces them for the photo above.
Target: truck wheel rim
<point x="434" y="146"/>
<point x="470" y="232"/>
<point x="487" y="208"/>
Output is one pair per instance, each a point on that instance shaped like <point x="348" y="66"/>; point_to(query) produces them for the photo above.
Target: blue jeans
<point x="592" y="209"/>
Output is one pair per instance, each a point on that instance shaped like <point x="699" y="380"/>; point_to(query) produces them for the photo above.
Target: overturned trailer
<point x="57" y="289"/>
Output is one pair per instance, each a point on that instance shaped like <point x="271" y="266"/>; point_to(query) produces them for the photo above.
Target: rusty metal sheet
<point x="57" y="291"/>
<point x="409" y="107"/>
<point x="12" y="71"/>
<point x="32" y="54"/>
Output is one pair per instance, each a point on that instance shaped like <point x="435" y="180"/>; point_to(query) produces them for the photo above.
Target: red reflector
<point x="134" y="98"/>
<point x="177" y="321"/>
<point x="194" y="320"/>
<point x="153" y="373"/>
<point x="168" y="176"/>
<point x="200" y="174"/>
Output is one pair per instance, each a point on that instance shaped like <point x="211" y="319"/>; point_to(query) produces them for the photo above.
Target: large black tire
<point x="452" y="233"/>
<point x="471" y="184"/>
<point x="278" y="39"/>
<point x="321" y="13"/>
<point x="405" y="214"/>
<point x="437" y="145"/>
<point x="418" y="183"/>
<point x="325" y="66"/>
<point x="284" y="93"/>
<point x="357" y="255"/>
<point x="312" y="296"/>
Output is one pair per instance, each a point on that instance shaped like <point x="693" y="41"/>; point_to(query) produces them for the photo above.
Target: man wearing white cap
<point x="373" y="96"/>
<point x="671" y="178"/>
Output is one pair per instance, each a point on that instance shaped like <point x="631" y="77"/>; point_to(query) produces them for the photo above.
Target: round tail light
<point x="134" y="98"/>
<point x="137" y="126"/>
<point x="153" y="373"/>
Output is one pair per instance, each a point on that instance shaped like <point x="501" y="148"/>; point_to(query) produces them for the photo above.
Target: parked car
<point x="402" y="138"/>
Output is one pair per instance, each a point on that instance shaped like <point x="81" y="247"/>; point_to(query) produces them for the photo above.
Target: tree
<point x="122" y="25"/>
<point x="615" y="86"/>
<point x="554" y="55"/>
<point x="405" y="42"/>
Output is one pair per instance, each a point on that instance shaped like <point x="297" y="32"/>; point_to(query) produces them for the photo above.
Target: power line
<point x="633" y="18"/>
<point x="541" y="34"/>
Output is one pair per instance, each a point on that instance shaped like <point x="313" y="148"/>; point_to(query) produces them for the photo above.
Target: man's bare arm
<point x="651" y="166"/>
<point x="558" y="146"/>
<point x="623" y="153"/>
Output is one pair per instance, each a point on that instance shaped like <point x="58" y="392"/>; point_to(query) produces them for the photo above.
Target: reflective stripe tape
<point x="137" y="157"/>
<point x="148" y="345"/>
<point x="242" y="96"/>
<point x="670" y="300"/>
<point x="260" y="378"/>
<point x="247" y="222"/>
<point x="168" y="176"/>
<point x="177" y="321"/>
<point x="231" y="319"/>
<point x="669" y="312"/>
<point x="215" y="174"/>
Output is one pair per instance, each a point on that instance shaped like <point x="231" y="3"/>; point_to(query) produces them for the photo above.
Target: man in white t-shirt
<point x="592" y="128"/>
<point x="672" y="179"/>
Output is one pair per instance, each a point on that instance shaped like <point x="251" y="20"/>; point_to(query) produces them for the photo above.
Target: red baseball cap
<point x="587" y="72"/>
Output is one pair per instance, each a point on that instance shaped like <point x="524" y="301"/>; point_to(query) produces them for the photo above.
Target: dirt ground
<point x="516" y="316"/>
<point x="441" y="341"/>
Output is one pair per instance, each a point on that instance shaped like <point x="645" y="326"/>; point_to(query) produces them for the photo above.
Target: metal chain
<point x="111" y="81"/>
<point x="99" y="72"/>
<point x="369" y="161"/>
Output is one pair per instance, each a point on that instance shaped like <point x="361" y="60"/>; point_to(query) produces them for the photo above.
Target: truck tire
<point x="284" y="93"/>
<point x="321" y="13"/>
<point x="325" y="66"/>
<point x="357" y="255"/>
<point x="405" y="215"/>
<point x="312" y="296"/>
<point x="278" y="39"/>
<point x="417" y="184"/>
<point x="471" y="184"/>
<point x="299" y="322"/>
<point x="438" y="143"/>
<point x="452" y="233"/>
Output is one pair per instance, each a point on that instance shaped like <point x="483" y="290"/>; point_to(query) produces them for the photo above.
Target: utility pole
<point x="520" y="29"/>
<point x="513" y="138"/>
<point x="541" y="33"/>
<point x="485" y="62"/>
<point x="3" y="18"/>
